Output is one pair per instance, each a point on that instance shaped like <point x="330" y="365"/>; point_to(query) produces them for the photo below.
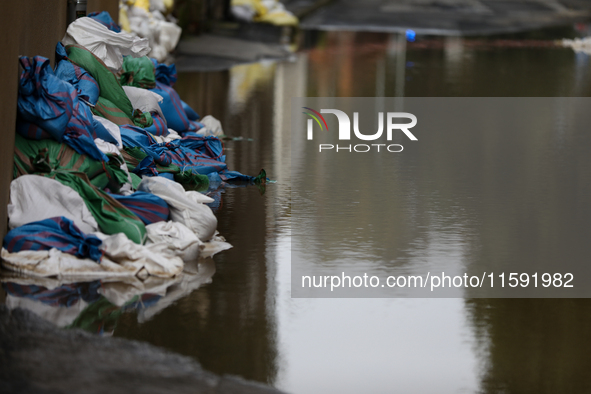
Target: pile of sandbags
<point x="151" y="19"/>
<point x="263" y="11"/>
<point x="104" y="150"/>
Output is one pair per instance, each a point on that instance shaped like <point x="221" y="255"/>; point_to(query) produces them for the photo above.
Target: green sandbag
<point x="105" y="108"/>
<point x="192" y="181"/>
<point x="108" y="84"/>
<point x="111" y="216"/>
<point x="135" y="180"/>
<point x="99" y="316"/>
<point x="142" y="119"/>
<point x="46" y="156"/>
<point x="113" y="177"/>
<point x="108" y="110"/>
<point x="138" y="72"/>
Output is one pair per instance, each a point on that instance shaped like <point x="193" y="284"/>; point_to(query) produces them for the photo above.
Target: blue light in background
<point x="410" y="35"/>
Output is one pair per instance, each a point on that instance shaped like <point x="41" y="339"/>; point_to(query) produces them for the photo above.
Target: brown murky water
<point x="244" y="322"/>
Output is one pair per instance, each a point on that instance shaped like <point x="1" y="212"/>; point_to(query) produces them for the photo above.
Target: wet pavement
<point x="237" y="317"/>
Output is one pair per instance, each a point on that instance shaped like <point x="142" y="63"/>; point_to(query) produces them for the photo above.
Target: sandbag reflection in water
<point x="97" y="306"/>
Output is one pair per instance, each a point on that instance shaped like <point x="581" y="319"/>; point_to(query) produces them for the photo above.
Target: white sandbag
<point x="196" y="274"/>
<point x="168" y="35"/>
<point x="215" y="245"/>
<point x="56" y="314"/>
<point x="35" y="197"/>
<point x="243" y="12"/>
<point x="156" y="259"/>
<point x="186" y="207"/>
<point x="212" y="126"/>
<point x="112" y="128"/>
<point x="54" y="262"/>
<point x="107" y="45"/>
<point x="139" y="22"/>
<point x="120" y="292"/>
<point x="184" y="242"/>
<point x="163" y="36"/>
<point x="121" y="258"/>
<point x="144" y="100"/>
<point x="157" y="5"/>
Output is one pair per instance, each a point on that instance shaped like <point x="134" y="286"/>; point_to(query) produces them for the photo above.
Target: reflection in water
<point x="97" y="306"/>
<point x="533" y="345"/>
<point x="245" y="323"/>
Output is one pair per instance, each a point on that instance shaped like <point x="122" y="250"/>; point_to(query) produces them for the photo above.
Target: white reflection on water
<point x="370" y="345"/>
<point x="361" y="345"/>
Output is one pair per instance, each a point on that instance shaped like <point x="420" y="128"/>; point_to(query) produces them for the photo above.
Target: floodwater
<point x="236" y="315"/>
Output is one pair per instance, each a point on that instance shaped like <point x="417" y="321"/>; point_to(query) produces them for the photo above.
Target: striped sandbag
<point x="105" y="108"/>
<point x="46" y="156"/>
<point x="173" y="110"/>
<point x="31" y="131"/>
<point x="111" y="216"/>
<point x="57" y="232"/>
<point x="158" y="126"/>
<point x="146" y="206"/>
<point x="66" y="295"/>
<point x="53" y="105"/>
<point x="134" y="156"/>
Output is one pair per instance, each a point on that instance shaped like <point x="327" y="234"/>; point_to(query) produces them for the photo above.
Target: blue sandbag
<point x="52" y="104"/>
<point x="173" y="110"/>
<point x="202" y="155"/>
<point x="159" y="126"/>
<point x="105" y="19"/>
<point x="167" y="75"/>
<point x="190" y="112"/>
<point x="164" y="73"/>
<point x="146" y="206"/>
<point x="146" y="167"/>
<point x="64" y="296"/>
<point x="136" y="137"/>
<point x="34" y="132"/>
<point x="57" y="232"/>
<point x="44" y="99"/>
<point x="86" y="86"/>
